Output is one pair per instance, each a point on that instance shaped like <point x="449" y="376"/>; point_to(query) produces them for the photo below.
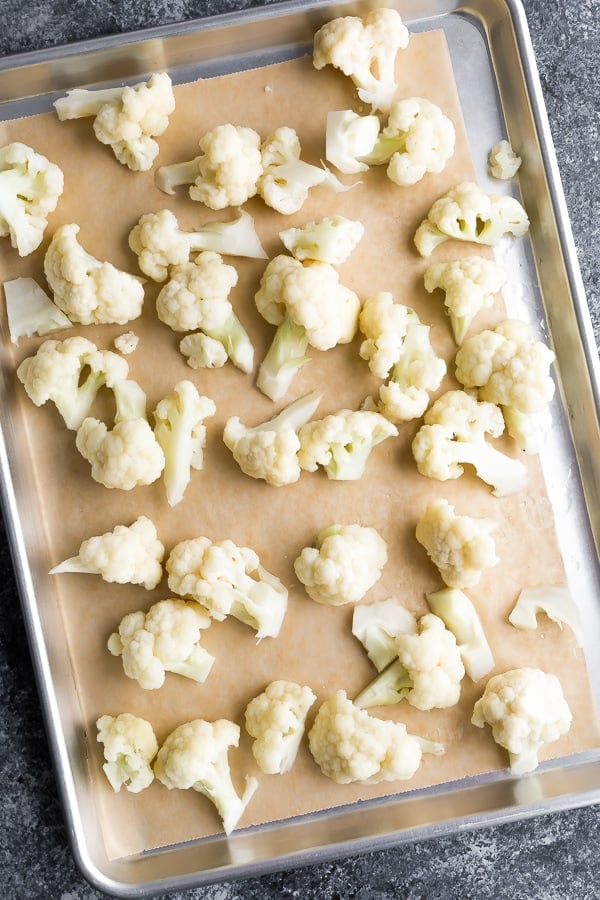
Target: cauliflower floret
<point x="127" y="118"/>
<point x="276" y="720"/>
<point x="126" y="343"/>
<point x="349" y="138"/>
<point x="129" y="554"/>
<point x="329" y="240"/>
<point x="269" y="451"/>
<point x="459" y="615"/>
<point x="433" y="662"/>
<point x="194" y="756"/>
<point x="342" y="442"/>
<point x="89" y="291"/>
<point x="30" y="187"/>
<point x="526" y="709"/>
<point x="384" y="325"/>
<point x="365" y="50"/>
<point x="70" y="373"/>
<point x="202" y="351"/>
<point x="466" y="213"/>
<point x="164" y="639"/>
<point x="349" y="745"/>
<point x="509" y="368"/>
<point x="228" y="581"/>
<point x="503" y="162"/>
<point x="461" y="547"/>
<point x="345" y="563"/>
<point x="227" y="171"/>
<point x="130" y="745"/>
<point x="377" y="625"/>
<point x="469" y="286"/>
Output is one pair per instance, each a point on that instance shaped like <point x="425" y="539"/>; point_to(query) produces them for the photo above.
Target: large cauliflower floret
<point x="30" y="187"/>
<point x="130" y="746"/>
<point x="384" y="325"/>
<point x="349" y="745"/>
<point x="509" y="368"/>
<point x="276" y="719"/>
<point x="526" y="709"/>
<point x="469" y="286"/>
<point x="467" y="213"/>
<point x="164" y="639"/>
<point x="342" y="442"/>
<point x="344" y="564"/>
<point x="226" y="172"/>
<point x="433" y="662"/>
<point x="129" y="554"/>
<point x="365" y="50"/>
<point x="86" y="290"/>
<point x="461" y="547"/>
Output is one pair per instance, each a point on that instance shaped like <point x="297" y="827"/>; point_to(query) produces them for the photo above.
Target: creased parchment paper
<point x="315" y="646"/>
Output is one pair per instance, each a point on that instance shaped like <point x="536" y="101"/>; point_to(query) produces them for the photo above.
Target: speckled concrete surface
<point x="551" y="858"/>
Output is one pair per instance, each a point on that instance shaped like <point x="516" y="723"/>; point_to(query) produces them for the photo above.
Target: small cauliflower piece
<point x="127" y="119"/>
<point x="467" y="213"/>
<point x="228" y="581"/>
<point x="365" y="50"/>
<point x="377" y="625"/>
<point x="460" y="547"/>
<point x="344" y="564"/>
<point x="525" y="709"/>
<point x="126" y="343"/>
<point x="553" y="601"/>
<point x="195" y="755"/>
<point x="351" y="746"/>
<point x="503" y="162"/>
<point x="454" y="435"/>
<point x="196" y="297"/>
<point x="179" y="429"/>
<point x="164" y="639"/>
<point x="226" y="172"/>
<point x="129" y="554"/>
<point x="509" y="368"/>
<point x="276" y="719"/>
<point x="70" y="373"/>
<point x="128" y="455"/>
<point x="269" y="451"/>
<point x="469" y="287"/>
<point x="384" y="325"/>
<point x="30" y="310"/>
<point x="30" y="188"/>
<point x="202" y="351"/>
<point x="129" y="745"/>
<point x="349" y="138"/>
<point x="342" y="442"/>
<point x="459" y="615"/>
<point x="329" y="240"/>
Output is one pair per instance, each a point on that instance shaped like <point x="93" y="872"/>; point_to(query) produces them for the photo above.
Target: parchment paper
<point x="315" y="646"/>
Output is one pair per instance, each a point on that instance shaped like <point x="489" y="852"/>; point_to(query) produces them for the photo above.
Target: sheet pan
<point x="489" y="40"/>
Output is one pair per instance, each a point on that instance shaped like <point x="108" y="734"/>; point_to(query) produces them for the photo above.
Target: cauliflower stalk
<point x="377" y="625"/>
<point x="129" y="745"/>
<point x="30" y="188"/>
<point x="228" y="581"/>
<point x="459" y="615"/>
<point x="525" y="709"/>
<point x="30" y="310"/>
<point x="164" y="639"/>
<point x="276" y="719"/>
<point x="129" y="554"/>
<point x="555" y="602"/>
<point x="344" y="564"/>
<point x="195" y="755"/>
<point x="329" y="240"/>
<point x="349" y="138"/>
<point x="342" y="442"/>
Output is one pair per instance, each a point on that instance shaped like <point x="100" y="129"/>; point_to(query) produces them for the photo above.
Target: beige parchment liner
<point x="315" y="645"/>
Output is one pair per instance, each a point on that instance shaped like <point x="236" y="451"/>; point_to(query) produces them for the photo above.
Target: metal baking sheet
<point x="499" y="94"/>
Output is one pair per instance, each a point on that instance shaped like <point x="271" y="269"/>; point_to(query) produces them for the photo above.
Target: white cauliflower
<point x="202" y="351"/>
<point x="30" y="188"/>
<point x="164" y="639"/>
<point x="329" y="240"/>
<point x="459" y="615"/>
<point x="70" y="373"/>
<point x="228" y="581"/>
<point x="365" y="50"/>
<point x="469" y="286"/>
<point x="555" y="602"/>
<point x="344" y="564"/>
<point x="525" y="709"/>
<point x="269" y="451"/>
<point x="384" y="325"/>
<point x="309" y="306"/>
<point x="349" y="138"/>
<point x="342" y="442"/>
<point x="30" y="310"/>
<point x="460" y="547"/>
<point x="130" y="746"/>
<point x="276" y="719"/>
<point x="351" y="746"/>
<point x="127" y="119"/>
<point x="467" y="213"/>
<point x="87" y="290"/>
<point x="377" y="625"/>
<point x="126" y="343"/>
<point x="226" y="172"/>
<point x="503" y="162"/>
<point x="129" y="554"/>
<point x="195" y="755"/>
<point x="508" y="367"/>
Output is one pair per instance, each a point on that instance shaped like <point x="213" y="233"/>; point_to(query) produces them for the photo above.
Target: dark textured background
<point x="555" y="857"/>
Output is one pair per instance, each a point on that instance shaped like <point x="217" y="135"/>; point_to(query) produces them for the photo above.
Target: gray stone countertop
<point x="554" y="857"/>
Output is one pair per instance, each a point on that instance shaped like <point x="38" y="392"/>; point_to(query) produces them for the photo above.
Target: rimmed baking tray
<point x="499" y="94"/>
